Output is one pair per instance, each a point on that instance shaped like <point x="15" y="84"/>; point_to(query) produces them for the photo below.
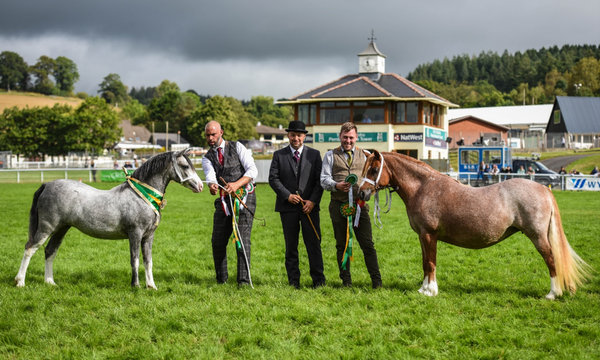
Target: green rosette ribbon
<point x="348" y="211"/>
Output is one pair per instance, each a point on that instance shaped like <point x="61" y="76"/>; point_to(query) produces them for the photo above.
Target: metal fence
<point x="554" y="181"/>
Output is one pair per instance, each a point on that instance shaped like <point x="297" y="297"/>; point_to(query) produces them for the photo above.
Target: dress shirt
<point x="246" y="160"/>
<point x="299" y="150"/>
<point x="327" y="181"/>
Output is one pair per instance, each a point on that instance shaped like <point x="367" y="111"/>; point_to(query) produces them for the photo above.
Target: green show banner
<point x="114" y="175"/>
<point x="435" y="134"/>
<point x="362" y="137"/>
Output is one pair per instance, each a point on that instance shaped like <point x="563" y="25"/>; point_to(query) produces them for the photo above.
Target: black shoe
<point x="377" y="285"/>
<point x="347" y="284"/>
<point x="295" y="285"/>
<point x="318" y="285"/>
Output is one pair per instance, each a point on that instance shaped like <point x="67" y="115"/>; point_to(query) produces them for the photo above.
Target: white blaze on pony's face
<point x="186" y="172"/>
<point x="373" y="176"/>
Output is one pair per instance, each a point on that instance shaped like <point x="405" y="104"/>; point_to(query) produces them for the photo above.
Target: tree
<point x="14" y="72"/>
<point x="172" y="106"/>
<point x="23" y="130"/>
<point x="586" y="73"/>
<point x="134" y="111"/>
<point x="264" y="109"/>
<point x="66" y="75"/>
<point x="94" y="126"/>
<point x="216" y="108"/>
<point x="113" y="91"/>
<point x="246" y="121"/>
<point x="42" y="70"/>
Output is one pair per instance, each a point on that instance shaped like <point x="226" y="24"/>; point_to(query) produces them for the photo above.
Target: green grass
<point x="491" y="302"/>
<point x="585" y="165"/>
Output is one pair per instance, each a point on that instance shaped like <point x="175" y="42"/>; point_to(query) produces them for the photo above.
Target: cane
<point x="309" y="219"/>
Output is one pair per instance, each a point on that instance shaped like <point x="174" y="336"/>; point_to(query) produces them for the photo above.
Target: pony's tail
<point x="571" y="270"/>
<point x="33" y="214"/>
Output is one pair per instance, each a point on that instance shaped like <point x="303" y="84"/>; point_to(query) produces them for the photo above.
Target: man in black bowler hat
<point x="295" y="177"/>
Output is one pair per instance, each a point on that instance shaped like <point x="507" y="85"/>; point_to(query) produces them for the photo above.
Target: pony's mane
<point x="401" y="156"/>
<point x="156" y="164"/>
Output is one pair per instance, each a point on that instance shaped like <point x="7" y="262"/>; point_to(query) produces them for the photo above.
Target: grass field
<point x="491" y="302"/>
<point x="22" y="100"/>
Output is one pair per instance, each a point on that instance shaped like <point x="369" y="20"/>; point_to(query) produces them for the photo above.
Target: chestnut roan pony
<point x="441" y="208"/>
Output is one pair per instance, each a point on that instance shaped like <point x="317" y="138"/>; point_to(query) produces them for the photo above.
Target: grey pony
<point x="113" y="214"/>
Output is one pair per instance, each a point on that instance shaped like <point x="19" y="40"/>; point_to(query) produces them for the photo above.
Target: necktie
<point x="220" y="153"/>
<point x="296" y="156"/>
<point x="349" y="160"/>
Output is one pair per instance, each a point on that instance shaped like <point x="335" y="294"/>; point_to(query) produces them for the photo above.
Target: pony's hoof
<point x="151" y="286"/>
<point x="551" y="296"/>
<point x="51" y="282"/>
<point x="20" y="282"/>
<point x="429" y="290"/>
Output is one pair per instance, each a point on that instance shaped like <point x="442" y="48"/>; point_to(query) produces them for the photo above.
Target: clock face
<point x="369" y="64"/>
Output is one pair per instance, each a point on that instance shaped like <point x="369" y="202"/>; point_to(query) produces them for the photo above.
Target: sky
<point x="244" y="48"/>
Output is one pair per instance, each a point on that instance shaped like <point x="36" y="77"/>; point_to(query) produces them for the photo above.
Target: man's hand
<point x="233" y="187"/>
<point x="308" y="206"/>
<point x="294" y="199"/>
<point x="214" y="189"/>
<point x="343" y="186"/>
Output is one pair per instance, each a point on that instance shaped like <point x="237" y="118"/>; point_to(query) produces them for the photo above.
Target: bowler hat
<point x="297" y="126"/>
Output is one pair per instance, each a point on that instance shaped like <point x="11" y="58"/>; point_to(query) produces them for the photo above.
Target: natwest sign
<point x="411" y="137"/>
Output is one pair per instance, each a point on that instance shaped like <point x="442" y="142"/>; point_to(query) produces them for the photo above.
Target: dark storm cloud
<point x="308" y="34"/>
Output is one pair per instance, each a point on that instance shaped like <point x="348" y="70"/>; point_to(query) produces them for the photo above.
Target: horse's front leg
<point x="429" y="252"/>
<point x="147" y="253"/>
<point x="134" y="254"/>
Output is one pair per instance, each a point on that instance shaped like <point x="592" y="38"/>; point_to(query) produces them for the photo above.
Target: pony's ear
<point x="377" y="155"/>
<point x="184" y="152"/>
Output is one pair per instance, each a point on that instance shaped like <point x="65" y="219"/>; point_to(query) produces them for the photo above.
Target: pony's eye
<point x="185" y="167"/>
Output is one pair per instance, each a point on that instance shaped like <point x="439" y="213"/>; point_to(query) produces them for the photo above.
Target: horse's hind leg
<point x="31" y="247"/>
<point x="543" y="247"/>
<point x="51" y="250"/>
<point x="147" y="253"/>
<point x="429" y="252"/>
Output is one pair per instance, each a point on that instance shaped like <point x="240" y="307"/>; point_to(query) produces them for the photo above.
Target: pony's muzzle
<point x="364" y="195"/>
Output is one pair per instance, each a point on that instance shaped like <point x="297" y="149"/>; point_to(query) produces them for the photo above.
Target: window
<point x="427" y="113"/>
<point x="335" y="116"/>
<point x="492" y="157"/>
<point x="313" y="114"/>
<point x="412" y="112"/>
<point x="401" y="113"/>
<point x="303" y="114"/>
<point x="436" y="116"/>
<point x="469" y="157"/>
<point x="412" y="153"/>
<point x="557" y="116"/>
<point x="357" y="112"/>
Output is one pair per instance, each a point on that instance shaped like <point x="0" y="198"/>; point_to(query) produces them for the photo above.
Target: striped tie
<point x="349" y="160"/>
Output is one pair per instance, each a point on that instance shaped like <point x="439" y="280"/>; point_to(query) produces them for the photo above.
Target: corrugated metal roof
<point x="581" y="114"/>
<point x="507" y="115"/>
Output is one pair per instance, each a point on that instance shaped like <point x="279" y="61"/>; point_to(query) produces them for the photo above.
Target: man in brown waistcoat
<point x="337" y="165"/>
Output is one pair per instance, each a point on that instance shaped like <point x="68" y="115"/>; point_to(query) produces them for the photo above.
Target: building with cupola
<point x="391" y="113"/>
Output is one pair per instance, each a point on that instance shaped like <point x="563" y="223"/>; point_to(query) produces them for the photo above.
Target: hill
<point x="22" y="100"/>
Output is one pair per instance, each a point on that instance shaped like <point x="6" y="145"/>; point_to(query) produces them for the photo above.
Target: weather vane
<point x="372" y="38"/>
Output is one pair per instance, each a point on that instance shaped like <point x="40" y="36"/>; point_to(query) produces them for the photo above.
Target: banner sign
<point x="362" y="137"/>
<point x="435" y="138"/>
<point x="414" y="137"/>
<point x="583" y="184"/>
<point x="435" y="134"/>
<point x="436" y="143"/>
<point x="114" y="175"/>
<point x="308" y="139"/>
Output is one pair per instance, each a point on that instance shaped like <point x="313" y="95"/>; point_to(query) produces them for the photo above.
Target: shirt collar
<point x="299" y="150"/>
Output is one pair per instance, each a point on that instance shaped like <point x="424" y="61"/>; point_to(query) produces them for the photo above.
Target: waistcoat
<point x="341" y="170"/>
<point x="232" y="169"/>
